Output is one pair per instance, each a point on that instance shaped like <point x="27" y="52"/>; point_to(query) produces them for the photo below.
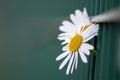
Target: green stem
<point x="94" y="51"/>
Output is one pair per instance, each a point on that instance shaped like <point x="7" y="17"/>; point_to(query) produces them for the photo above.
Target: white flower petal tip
<point x="85" y="60"/>
<point x="63" y="43"/>
<point x="83" y="57"/>
<point x="64" y="62"/>
<point x="69" y="64"/>
<point x="61" y="56"/>
<point x="85" y="12"/>
<point x="75" y="35"/>
<point x="84" y="9"/>
<point x="77" y="11"/>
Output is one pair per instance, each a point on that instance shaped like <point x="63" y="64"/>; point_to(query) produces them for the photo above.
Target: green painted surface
<point x="107" y="59"/>
<point x="28" y="44"/>
<point x="108" y="50"/>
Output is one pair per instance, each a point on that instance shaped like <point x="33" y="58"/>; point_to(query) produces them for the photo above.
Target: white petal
<point x="76" y="60"/>
<point x="85" y="12"/>
<point x="67" y="27"/>
<point x="69" y="24"/>
<point x="69" y="65"/>
<point x="87" y="46"/>
<point x="61" y="56"/>
<point x="89" y="29"/>
<point x="65" y="48"/>
<point x="74" y="20"/>
<point x="85" y="50"/>
<point x="73" y="66"/>
<point x="83" y="57"/>
<point x="64" y="42"/>
<point x="80" y="17"/>
<point x="62" y="28"/>
<point x="93" y="29"/>
<point x="67" y="40"/>
<point x="64" y="62"/>
<point x="86" y="18"/>
<point x="90" y="37"/>
<point x="63" y="38"/>
<point x="64" y="34"/>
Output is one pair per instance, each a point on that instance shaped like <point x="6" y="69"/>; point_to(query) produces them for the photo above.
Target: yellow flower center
<point x="75" y="43"/>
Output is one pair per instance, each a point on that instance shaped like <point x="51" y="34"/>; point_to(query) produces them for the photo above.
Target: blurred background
<point x="28" y="44"/>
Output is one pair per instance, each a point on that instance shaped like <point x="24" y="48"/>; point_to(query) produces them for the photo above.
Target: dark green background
<point x="28" y="44"/>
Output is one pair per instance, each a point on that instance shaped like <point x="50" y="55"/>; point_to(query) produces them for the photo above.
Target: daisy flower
<point x="75" y="36"/>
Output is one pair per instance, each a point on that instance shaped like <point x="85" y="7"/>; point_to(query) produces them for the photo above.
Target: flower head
<point x="75" y="35"/>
